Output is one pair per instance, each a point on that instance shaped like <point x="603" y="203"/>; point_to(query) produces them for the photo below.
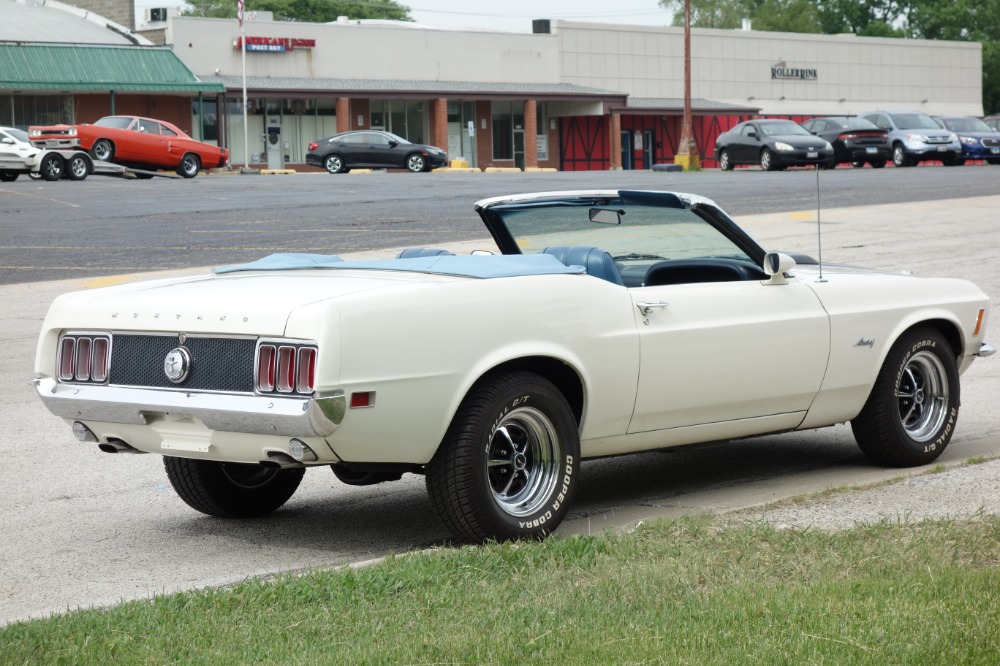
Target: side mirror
<point x="393" y="143"/>
<point x="776" y="264"/>
<point x="752" y="133"/>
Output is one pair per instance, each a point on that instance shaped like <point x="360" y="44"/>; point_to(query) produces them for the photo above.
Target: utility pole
<point x="687" y="150"/>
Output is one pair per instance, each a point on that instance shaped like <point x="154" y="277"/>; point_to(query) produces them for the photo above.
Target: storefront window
<point x="508" y="119"/>
<point x="205" y="126"/>
<point x="399" y="116"/>
<point x="22" y="111"/>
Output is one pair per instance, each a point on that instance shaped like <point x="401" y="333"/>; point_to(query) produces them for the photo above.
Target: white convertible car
<point x="610" y="322"/>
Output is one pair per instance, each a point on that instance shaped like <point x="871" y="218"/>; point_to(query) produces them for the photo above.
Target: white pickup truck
<point x="18" y="156"/>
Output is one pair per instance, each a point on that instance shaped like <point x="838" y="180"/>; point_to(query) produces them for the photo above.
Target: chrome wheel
<point x="103" y="150"/>
<point x="189" y="166"/>
<point x="899" y="157"/>
<point x="78" y="167"/>
<point x="766" y="160"/>
<point x="523" y="461"/>
<point x="51" y="167"/>
<point x="922" y="393"/>
<point x="415" y="163"/>
<point x="724" y="162"/>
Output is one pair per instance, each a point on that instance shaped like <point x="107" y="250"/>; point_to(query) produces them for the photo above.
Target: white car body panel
<point x="401" y="348"/>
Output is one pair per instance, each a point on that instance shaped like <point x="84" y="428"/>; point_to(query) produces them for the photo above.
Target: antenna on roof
<point x="819" y="234"/>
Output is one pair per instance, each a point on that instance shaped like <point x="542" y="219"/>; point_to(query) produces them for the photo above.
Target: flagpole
<point x="243" y="56"/>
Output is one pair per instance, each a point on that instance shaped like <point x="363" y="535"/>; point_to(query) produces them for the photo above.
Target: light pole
<point x="687" y="150"/>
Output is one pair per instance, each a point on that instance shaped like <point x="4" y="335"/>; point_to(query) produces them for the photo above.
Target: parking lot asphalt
<point x="83" y="528"/>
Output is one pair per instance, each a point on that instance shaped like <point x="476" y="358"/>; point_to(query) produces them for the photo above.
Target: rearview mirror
<point x="606" y="215"/>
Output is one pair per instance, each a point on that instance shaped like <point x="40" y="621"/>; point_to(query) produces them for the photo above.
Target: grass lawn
<point x="704" y="590"/>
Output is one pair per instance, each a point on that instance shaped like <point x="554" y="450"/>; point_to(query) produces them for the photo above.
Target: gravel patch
<point x="961" y="492"/>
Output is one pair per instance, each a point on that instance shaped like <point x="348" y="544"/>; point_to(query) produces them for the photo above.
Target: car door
<point x="724" y="351"/>
<point x="746" y="144"/>
<point x="354" y="150"/>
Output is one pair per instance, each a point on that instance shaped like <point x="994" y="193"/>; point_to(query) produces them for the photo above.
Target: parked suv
<point x="915" y="137"/>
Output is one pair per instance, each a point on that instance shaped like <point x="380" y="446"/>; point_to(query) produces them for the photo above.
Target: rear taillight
<point x="286" y="368"/>
<point x="313" y="145"/>
<point x="84" y="358"/>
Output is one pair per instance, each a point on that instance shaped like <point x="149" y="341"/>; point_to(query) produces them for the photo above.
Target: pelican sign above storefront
<point x="274" y="44"/>
<point x="781" y="70"/>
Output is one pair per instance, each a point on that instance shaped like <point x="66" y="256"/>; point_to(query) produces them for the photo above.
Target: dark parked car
<point x="979" y="140"/>
<point x="774" y="144"/>
<point x="915" y="137"/>
<point x="854" y="140"/>
<point x="373" y="149"/>
<point x="993" y="121"/>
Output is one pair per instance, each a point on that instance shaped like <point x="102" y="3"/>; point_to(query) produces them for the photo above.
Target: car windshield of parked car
<point x="631" y="232"/>
<point x="783" y="129"/>
<point x="20" y="135"/>
<point x="908" y="121"/>
<point x="966" y="125"/>
<point x="118" y="122"/>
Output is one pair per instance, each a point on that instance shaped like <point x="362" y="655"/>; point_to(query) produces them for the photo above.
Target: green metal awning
<point x="82" y="68"/>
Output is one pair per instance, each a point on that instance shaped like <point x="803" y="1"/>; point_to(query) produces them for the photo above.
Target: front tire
<point x="52" y="167"/>
<point x="899" y="156"/>
<point x="190" y="166"/>
<point x="103" y="150"/>
<point x="725" y="163"/>
<point x="911" y="413"/>
<point x="877" y="164"/>
<point x="231" y="490"/>
<point x="767" y="160"/>
<point x="508" y="464"/>
<point x="416" y="163"/>
<point x="8" y="176"/>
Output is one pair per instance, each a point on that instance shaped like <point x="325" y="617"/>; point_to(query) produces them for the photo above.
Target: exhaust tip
<point x="117" y="446"/>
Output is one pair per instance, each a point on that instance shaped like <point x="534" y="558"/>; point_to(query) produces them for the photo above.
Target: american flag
<point x="239" y="11"/>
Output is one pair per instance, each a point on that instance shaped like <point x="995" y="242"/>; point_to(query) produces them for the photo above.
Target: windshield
<point x="20" y="135"/>
<point x="908" y="121"/>
<point x="966" y="125"/>
<point x="783" y="129"/>
<point x="120" y="122"/>
<point x="635" y="233"/>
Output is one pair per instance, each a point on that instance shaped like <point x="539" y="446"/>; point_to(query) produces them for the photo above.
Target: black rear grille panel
<point x="217" y="364"/>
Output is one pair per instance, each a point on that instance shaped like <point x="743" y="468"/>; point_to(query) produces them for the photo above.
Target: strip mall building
<point x="569" y="95"/>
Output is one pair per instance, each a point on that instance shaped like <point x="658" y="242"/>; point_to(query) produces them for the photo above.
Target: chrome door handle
<point x="645" y="307"/>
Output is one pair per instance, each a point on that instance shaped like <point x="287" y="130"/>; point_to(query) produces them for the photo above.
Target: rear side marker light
<point x="362" y="399"/>
<point x="979" y="322"/>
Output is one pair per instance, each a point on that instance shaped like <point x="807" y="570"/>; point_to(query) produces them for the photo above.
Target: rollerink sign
<point x="274" y="44"/>
<point x="781" y="71"/>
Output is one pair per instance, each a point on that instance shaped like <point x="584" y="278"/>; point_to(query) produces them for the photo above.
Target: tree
<point x="770" y="15"/>
<point x="312" y="11"/>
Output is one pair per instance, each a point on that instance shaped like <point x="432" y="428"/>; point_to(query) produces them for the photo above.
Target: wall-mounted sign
<point x="274" y="44"/>
<point x="781" y="70"/>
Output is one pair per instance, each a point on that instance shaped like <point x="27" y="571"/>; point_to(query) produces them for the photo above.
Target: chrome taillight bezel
<point x="285" y="368"/>
<point x="83" y="357"/>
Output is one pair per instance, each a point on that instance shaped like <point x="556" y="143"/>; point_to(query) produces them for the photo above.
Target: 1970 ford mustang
<point x="609" y="322"/>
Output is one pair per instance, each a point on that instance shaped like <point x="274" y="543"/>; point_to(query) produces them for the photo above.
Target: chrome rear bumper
<point x="262" y="415"/>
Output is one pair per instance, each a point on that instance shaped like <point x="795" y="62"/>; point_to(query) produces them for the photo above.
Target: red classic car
<point x="142" y="143"/>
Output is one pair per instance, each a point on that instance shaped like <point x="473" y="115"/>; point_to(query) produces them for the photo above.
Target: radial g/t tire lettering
<point x="508" y="465"/>
<point x="911" y="412"/>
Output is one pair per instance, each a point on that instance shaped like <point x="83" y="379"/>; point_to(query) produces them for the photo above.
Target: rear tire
<point x="333" y="164"/>
<point x="231" y="490"/>
<point x="508" y="464"/>
<point x="911" y="412"/>
<point x="190" y="166"/>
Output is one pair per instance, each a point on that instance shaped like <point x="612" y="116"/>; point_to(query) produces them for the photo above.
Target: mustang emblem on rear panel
<point x="177" y="364"/>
